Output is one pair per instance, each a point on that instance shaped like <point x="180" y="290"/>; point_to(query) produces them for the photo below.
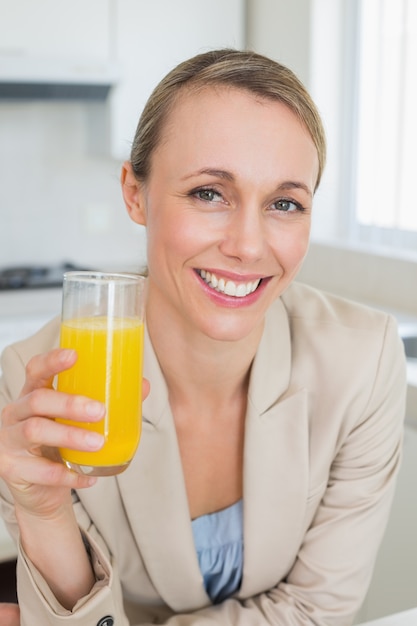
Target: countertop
<point x="405" y="618"/>
<point x="22" y="312"/>
<point x="407" y="324"/>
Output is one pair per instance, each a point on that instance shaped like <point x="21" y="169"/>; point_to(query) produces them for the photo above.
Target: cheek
<point x="170" y="240"/>
<point x="180" y="231"/>
<point x="291" y="244"/>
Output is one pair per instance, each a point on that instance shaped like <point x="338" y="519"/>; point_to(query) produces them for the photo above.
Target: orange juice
<point x="108" y="369"/>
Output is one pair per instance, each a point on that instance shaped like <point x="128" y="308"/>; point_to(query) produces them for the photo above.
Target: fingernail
<point x="66" y="355"/>
<point x="94" y="409"/>
<point x="94" y="440"/>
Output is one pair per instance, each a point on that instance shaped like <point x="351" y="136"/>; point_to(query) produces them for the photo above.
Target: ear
<point x="133" y="194"/>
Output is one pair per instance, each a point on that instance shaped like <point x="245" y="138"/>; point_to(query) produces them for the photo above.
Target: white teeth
<point x="214" y="282"/>
<point x="230" y="288"/>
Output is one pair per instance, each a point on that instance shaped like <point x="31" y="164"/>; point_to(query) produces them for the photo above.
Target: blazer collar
<point x="275" y="479"/>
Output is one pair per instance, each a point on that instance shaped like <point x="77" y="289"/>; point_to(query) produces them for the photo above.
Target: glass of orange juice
<point x="102" y="320"/>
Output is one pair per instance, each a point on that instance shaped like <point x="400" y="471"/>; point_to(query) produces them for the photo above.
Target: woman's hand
<point x="38" y="480"/>
<point x="29" y="438"/>
<point x="9" y="614"/>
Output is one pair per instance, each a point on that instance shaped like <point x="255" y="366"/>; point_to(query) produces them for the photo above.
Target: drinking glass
<point x="102" y="320"/>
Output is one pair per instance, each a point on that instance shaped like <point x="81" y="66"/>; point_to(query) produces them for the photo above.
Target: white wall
<point x="281" y="29"/>
<point x="57" y="201"/>
<point x="384" y="281"/>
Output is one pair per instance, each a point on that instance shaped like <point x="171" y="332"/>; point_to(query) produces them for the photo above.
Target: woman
<point x="272" y="430"/>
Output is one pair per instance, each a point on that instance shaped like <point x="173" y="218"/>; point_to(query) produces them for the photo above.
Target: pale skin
<point x="230" y="193"/>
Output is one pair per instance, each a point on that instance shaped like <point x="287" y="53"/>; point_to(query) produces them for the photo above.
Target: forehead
<point x="234" y="126"/>
<point x="216" y="101"/>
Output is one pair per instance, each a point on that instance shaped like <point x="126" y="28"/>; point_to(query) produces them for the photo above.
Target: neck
<point x="198" y="369"/>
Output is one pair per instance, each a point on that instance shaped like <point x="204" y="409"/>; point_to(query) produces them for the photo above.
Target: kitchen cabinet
<point x="152" y="37"/>
<point x="48" y="45"/>
<point x="53" y="29"/>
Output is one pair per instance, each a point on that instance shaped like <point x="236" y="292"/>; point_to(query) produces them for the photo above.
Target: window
<point x="384" y="123"/>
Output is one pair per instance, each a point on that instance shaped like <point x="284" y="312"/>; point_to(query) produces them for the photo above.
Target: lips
<point x="229" y="287"/>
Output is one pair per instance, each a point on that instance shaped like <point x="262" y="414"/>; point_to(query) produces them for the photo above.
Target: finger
<point x="43" y="472"/>
<point x="32" y="441"/>
<point x="36" y="432"/>
<point x="53" y="404"/>
<point x="41" y="369"/>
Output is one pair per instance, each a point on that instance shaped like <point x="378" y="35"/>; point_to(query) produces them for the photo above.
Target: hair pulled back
<point x="245" y="70"/>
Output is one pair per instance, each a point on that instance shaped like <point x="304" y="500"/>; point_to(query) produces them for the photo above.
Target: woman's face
<point x="227" y="208"/>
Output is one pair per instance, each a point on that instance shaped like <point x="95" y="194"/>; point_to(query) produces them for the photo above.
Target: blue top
<point x="218" y="539"/>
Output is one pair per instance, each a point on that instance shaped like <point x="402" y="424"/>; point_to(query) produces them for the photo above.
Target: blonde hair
<point x="234" y="68"/>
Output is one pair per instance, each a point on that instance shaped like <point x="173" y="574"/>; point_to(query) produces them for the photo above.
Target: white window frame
<point x="335" y="64"/>
<point x="380" y="173"/>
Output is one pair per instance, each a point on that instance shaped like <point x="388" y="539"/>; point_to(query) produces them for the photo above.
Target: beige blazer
<point x="322" y="447"/>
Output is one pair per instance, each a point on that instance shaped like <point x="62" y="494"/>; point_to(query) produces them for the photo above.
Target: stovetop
<point x="34" y="276"/>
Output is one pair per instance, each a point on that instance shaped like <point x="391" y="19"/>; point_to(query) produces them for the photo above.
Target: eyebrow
<point x="285" y="186"/>
<point x="212" y="172"/>
<point x="290" y="184"/>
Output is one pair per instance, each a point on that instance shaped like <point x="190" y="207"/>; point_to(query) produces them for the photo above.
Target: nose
<point x="244" y="237"/>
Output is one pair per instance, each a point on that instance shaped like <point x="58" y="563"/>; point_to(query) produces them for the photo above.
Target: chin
<point x="229" y="331"/>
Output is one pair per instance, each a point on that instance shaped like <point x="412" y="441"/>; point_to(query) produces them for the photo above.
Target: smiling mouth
<point x="229" y="287"/>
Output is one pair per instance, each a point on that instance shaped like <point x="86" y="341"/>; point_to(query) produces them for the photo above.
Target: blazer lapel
<point x="153" y="493"/>
<point x="275" y="461"/>
<point x="275" y="491"/>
